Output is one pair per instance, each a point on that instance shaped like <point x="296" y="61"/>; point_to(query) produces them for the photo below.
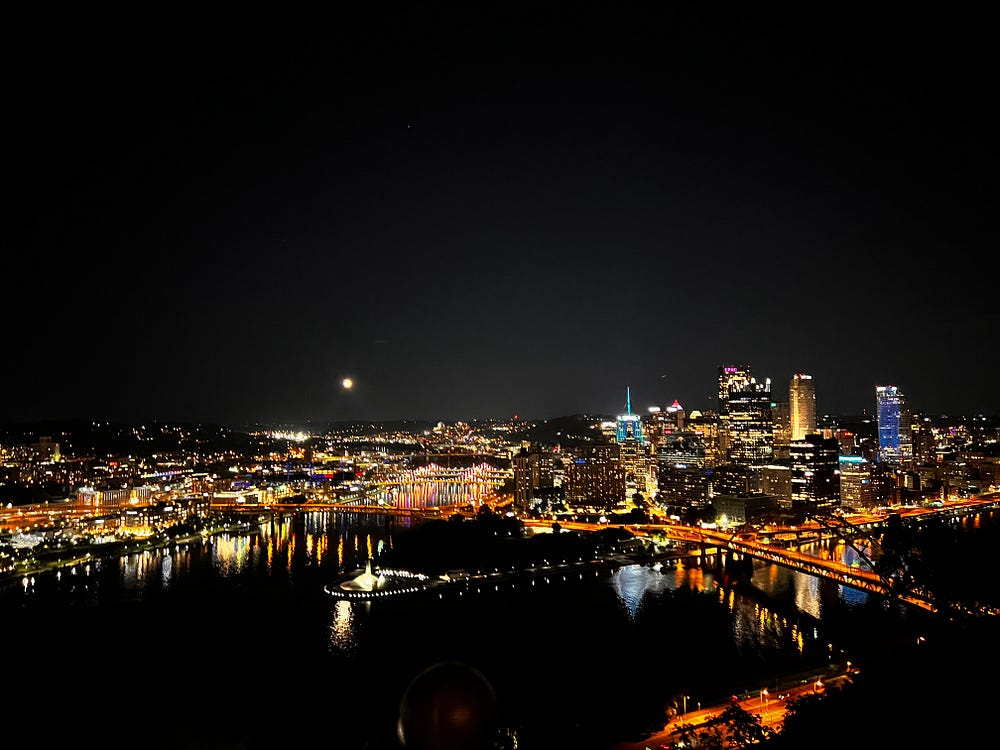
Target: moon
<point x="347" y="384"/>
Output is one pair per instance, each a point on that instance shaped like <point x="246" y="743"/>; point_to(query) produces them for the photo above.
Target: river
<point x="239" y="629"/>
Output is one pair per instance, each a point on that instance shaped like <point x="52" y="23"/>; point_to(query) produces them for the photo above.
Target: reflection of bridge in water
<point x="771" y="546"/>
<point x="427" y="487"/>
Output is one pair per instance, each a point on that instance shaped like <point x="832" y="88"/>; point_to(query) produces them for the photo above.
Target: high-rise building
<point x="534" y="471"/>
<point x="802" y="406"/>
<point x="749" y="424"/>
<point x="815" y="464"/>
<point x="706" y="426"/>
<point x="781" y="424"/>
<point x="632" y="452"/>
<point x="681" y="476"/>
<point x="731" y="377"/>
<point x="776" y="480"/>
<point x="924" y="441"/>
<point x="683" y="449"/>
<point x="894" y="440"/>
<point x="855" y="483"/>
<point x="676" y="415"/>
<point x="594" y="478"/>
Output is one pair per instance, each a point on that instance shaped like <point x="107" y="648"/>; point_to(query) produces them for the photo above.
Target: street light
<point x="763" y="698"/>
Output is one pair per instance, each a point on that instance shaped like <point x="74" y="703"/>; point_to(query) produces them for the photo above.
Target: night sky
<point x="481" y="210"/>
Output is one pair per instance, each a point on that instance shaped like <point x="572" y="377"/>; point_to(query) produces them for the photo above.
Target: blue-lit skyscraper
<point x="629" y="425"/>
<point x="893" y="425"/>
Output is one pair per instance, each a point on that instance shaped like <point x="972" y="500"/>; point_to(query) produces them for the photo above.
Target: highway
<point x="769" y="706"/>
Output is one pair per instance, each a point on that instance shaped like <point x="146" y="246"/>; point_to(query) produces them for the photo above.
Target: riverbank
<point x="70" y="557"/>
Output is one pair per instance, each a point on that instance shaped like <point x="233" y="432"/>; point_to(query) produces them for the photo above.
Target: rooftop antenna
<point x="628" y="400"/>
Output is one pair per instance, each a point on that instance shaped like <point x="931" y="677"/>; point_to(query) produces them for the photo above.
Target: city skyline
<point x="489" y="212"/>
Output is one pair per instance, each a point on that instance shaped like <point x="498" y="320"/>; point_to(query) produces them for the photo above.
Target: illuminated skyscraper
<point x="730" y="377"/>
<point x="802" y="406"/>
<point x="749" y="424"/>
<point x="815" y="462"/>
<point x="894" y="441"/>
<point x="629" y="425"/>
<point x="632" y="450"/>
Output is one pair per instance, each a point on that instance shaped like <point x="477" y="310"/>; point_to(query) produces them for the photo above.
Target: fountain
<point x="364" y="581"/>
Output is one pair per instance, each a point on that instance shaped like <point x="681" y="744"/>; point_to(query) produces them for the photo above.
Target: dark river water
<point x="233" y="642"/>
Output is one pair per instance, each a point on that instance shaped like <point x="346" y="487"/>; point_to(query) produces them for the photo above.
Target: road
<point x="769" y="706"/>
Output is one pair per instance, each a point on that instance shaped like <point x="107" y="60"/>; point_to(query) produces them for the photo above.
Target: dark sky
<point x="480" y="210"/>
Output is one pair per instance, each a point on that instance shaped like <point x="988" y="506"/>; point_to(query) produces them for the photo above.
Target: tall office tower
<point x="781" y="420"/>
<point x="749" y="424"/>
<point x="731" y="377"/>
<point x="894" y="440"/>
<point x="632" y="451"/>
<point x="855" y="483"/>
<point x="815" y="473"/>
<point x="594" y="478"/>
<point x="802" y="406"/>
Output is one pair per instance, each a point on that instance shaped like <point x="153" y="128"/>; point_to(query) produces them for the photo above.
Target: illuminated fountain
<point x="364" y="581"/>
<point x="366" y="585"/>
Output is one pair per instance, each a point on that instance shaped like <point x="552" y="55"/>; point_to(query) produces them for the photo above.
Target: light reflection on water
<point x="633" y="583"/>
<point x="342" y="635"/>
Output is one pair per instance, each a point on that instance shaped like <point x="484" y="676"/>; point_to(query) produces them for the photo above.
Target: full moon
<point x="347" y="383"/>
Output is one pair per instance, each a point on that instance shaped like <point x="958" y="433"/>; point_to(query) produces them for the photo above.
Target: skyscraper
<point x="749" y="424"/>
<point x="731" y="377"/>
<point x="894" y="441"/>
<point x="802" y="406"/>
<point x="632" y="450"/>
<point x="815" y="462"/>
